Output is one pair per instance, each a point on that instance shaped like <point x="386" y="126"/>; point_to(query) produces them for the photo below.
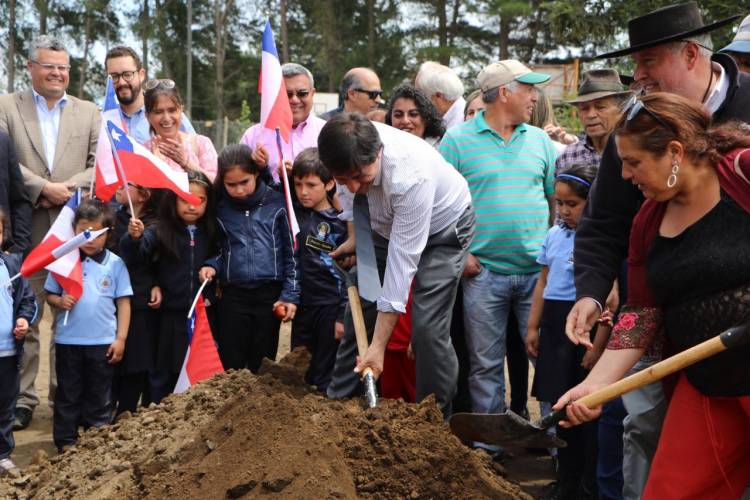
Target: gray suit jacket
<point x="74" y="153"/>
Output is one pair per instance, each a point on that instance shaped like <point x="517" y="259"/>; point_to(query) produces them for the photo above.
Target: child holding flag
<point x="323" y="299"/>
<point x="90" y="332"/>
<point x="258" y="272"/>
<point x="17" y="311"/>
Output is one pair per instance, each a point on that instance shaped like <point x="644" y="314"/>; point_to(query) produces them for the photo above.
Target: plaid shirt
<point x="580" y="153"/>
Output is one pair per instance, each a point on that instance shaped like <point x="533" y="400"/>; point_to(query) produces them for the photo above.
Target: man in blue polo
<point x="509" y="166"/>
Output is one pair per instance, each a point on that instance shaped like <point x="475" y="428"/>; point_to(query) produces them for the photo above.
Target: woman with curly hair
<point x="411" y="111"/>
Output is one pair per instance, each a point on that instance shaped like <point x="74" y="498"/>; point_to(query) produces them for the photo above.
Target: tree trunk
<point x="221" y="12"/>
<point x="86" y="47"/>
<point x="42" y="8"/>
<point x="452" y="32"/>
<point x="331" y="44"/>
<point x="504" y="37"/>
<point x="371" y="33"/>
<point x="145" y="32"/>
<point x="444" y="55"/>
<point x="189" y="50"/>
<point x="163" y="38"/>
<point x="284" y="34"/>
<point x="11" y="46"/>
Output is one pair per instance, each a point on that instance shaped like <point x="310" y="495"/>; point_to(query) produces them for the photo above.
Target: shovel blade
<point x="508" y="430"/>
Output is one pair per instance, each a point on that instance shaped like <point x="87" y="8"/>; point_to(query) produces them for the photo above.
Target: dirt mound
<point x="243" y="436"/>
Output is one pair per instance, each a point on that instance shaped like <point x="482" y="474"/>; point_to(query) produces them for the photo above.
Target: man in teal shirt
<point x="509" y="166"/>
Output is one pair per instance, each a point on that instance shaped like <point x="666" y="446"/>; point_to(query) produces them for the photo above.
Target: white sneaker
<point x="7" y="467"/>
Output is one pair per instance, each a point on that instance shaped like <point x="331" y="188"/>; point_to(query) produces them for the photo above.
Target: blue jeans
<point x="488" y="299"/>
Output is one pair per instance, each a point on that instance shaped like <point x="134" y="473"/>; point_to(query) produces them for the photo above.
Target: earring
<point x="672" y="179"/>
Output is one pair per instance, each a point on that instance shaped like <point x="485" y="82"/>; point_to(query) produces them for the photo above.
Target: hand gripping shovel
<point x="360" y="332"/>
<point x="511" y="430"/>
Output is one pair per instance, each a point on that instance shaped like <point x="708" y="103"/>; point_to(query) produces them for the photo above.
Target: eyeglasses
<point x="125" y="75"/>
<point x="635" y="106"/>
<point x="62" y="68"/>
<point x="372" y="94"/>
<point x="301" y="94"/>
<point x="165" y="83"/>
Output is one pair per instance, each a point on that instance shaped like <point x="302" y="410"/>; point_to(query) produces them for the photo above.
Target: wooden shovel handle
<point x="360" y="331"/>
<point x="730" y="338"/>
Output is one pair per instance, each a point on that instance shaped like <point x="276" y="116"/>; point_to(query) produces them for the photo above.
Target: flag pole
<point x="12" y="280"/>
<point x="122" y="172"/>
<point x="195" y="300"/>
<point x="287" y="193"/>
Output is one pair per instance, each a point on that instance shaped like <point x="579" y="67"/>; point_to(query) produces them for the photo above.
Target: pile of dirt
<point x="241" y="436"/>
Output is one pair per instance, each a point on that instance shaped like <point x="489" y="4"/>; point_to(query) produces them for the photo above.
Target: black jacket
<point x="24" y="300"/>
<point x="142" y="273"/>
<point x="13" y="198"/>
<point x="603" y="235"/>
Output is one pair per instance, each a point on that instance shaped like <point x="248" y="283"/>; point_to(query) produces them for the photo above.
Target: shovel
<point x="368" y="378"/>
<point x="511" y="430"/>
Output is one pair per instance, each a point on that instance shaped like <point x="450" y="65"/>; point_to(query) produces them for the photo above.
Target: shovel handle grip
<point x="359" y="320"/>
<point x="734" y="336"/>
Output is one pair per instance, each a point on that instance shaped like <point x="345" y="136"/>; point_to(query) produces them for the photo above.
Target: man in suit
<point x="14" y="202"/>
<point x="54" y="135"/>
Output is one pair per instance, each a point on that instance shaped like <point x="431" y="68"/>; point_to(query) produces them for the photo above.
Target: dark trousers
<point x="434" y="293"/>
<point x="313" y="327"/>
<point x="518" y="366"/>
<point x="129" y="389"/>
<point x="84" y="390"/>
<point x="248" y="330"/>
<point x="161" y="383"/>
<point x="462" y="399"/>
<point x="576" y="463"/>
<point x="609" y="468"/>
<point x="9" y="380"/>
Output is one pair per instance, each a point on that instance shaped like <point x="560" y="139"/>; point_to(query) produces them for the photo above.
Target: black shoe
<point x="23" y="418"/>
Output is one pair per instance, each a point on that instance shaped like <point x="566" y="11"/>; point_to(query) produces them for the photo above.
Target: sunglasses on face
<point x="635" y="106"/>
<point x="372" y="94"/>
<point x="301" y="94"/>
<point x="125" y="75"/>
<point x="62" y="68"/>
<point x="157" y="82"/>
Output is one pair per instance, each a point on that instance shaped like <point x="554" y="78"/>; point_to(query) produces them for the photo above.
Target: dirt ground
<point x="196" y="447"/>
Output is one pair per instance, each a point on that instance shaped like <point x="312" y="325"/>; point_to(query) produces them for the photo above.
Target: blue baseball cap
<point x="741" y="42"/>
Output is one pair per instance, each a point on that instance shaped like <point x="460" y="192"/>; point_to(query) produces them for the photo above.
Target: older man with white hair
<point x="300" y="89"/>
<point x="445" y="89"/>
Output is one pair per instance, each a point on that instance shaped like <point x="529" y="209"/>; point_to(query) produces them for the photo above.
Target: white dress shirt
<point x="49" y="124"/>
<point x="415" y="194"/>
<point x="719" y="93"/>
<point x="455" y="114"/>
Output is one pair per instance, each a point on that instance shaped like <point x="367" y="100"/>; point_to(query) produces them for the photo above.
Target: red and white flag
<point x="140" y="166"/>
<point x="202" y="359"/>
<point x="58" y="251"/>
<point x="107" y="176"/>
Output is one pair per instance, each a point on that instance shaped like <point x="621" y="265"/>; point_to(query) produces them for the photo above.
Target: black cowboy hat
<point x="668" y="24"/>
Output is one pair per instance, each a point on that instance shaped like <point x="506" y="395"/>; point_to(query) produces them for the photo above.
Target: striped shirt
<point x="414" y="195"/>
<point x="509" y="182"/>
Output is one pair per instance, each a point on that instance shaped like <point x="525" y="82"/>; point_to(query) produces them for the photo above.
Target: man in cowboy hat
<point x="599" y="102"/>
<point x="671" y="47"/>
<point x="739" y="49"/>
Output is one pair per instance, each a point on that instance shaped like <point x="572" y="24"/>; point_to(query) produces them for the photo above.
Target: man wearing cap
<point x="739" y="49"/>
<point x="509" y="166"/>
<point x="599" y="102"/>
<point x="671" y="48"/>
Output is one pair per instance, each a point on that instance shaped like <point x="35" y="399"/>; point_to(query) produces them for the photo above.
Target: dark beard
<point x="134" y="91"/>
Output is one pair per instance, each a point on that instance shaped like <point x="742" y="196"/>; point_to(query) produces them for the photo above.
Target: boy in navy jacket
<point x="317" y="324"/>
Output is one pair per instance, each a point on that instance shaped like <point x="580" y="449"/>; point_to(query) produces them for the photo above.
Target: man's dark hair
<point x="308" y="163"/>
<point x="350" y="81"/>
<point x="347" y="142"/>
<point x="123" y="51"/>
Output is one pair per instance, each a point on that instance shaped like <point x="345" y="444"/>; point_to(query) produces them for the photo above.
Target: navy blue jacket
<point x="24" y="301"/>
<point x="256" y="243"/>
<point x="14" y="199"/>
<point x="321" y="284"/>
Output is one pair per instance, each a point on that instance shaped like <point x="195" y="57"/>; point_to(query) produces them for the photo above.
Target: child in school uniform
<point x="317" y="324"/>
<point x="131" y="383"/>
<point x="560" y="364"/>
<point x="175" y="248"/>
<point x="256" y="269"/>
<point x="92" y="340"/>
<point x="17" y="311"/>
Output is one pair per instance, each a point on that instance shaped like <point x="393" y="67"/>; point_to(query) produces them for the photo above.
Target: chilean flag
<point x="202" y="359"/>
<point x="140" y="166"/>
<point x="107" y="178"/>
<point x="274" y="103"/>
<point x="58" y="251"/>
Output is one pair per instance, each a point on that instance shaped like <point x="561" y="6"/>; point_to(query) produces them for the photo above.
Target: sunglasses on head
<point x="301" y="94"/>
<point x="165" y="83"/>
<point x="635" y="106"/>
<point x="372" y="94"/>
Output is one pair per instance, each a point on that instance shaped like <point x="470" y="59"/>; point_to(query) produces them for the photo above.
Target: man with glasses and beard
<point x="125" y="67"/>
<point x="300" y="89"/>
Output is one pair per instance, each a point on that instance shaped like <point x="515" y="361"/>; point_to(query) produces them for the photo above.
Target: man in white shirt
<point x="422" y="223"/>
<point x="444" y="88"/>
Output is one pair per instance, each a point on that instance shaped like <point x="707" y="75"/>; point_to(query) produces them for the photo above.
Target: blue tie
<point x="368" y="279"/>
